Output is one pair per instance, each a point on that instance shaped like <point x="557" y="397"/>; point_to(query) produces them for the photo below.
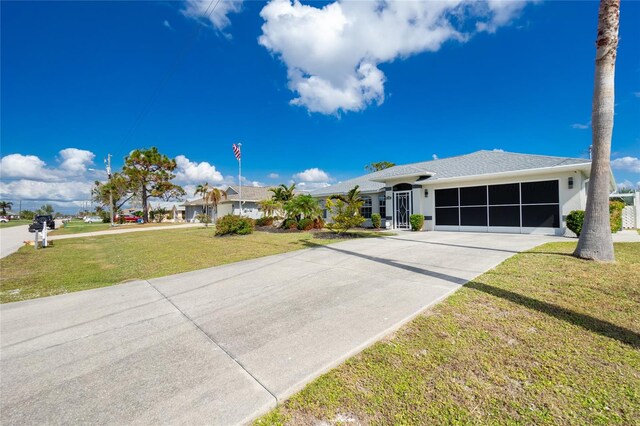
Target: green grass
<point x="13" y="223"/>
<point x="90" y="262"/>
<point x="544" y="338"/>
<point x="79" y="227"/>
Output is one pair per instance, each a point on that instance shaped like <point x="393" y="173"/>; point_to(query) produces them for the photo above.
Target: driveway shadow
<point x="589" y="323"/>
<point x="393" y="263"/>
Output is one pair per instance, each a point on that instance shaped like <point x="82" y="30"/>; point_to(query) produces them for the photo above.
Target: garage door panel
<point x="504" y="216"/>
<point x="473" y="196"/>
<point x="447" y="216"/>
<point x="473" y="216"/>
<point x="504" y="194"/>
<point x="540" y="192"/>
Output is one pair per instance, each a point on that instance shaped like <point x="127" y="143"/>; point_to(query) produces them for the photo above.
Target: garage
<point x="521" y="207"/>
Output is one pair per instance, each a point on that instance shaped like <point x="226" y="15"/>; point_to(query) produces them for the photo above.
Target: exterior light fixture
<point x="426" y="193"/>
<point x="571" y="183"/>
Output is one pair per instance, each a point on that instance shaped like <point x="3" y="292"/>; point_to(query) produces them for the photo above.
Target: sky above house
<point x="312" y="90"/>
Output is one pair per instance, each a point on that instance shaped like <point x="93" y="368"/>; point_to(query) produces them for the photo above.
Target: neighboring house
<point x="251" y="196"/>
<point x="485" y="191"/>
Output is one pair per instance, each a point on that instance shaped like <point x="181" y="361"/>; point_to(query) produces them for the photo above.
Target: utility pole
<point x="107" y="162"/>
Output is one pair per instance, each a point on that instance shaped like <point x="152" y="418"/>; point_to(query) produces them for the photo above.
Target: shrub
<point x="376" y="220"/>
<point x="416" y="221"/>
<point x="234" y="225"/>
<point x="305" y="224"/>
<point x="575" y="219"/>
<point x="290" y="224"/>
<point x="345" y="215"/>
<point x="265" y="221"/>
<point x="318" y="223"/>
<point x="615" y="214"/>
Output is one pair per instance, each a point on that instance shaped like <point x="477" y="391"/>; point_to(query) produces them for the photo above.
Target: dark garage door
<point x="526" y="204"/>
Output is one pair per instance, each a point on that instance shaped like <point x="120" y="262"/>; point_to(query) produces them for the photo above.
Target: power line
<point x="169" y="73"/>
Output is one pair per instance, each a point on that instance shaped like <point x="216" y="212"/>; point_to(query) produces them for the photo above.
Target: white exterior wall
<point x="570" y="199"/>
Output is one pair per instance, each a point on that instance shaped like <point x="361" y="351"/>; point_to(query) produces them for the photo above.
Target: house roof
<point x="475" y="164"/>
<point x="249" y="193"/>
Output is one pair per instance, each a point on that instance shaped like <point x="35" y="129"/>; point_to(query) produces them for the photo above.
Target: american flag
<point x="236" y="151"/>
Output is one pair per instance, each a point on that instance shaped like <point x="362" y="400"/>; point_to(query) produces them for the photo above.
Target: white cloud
<point x="75" y="160"/>
<point x="273" y="176"/>
<point x="27" y="189"/>
<point x="167" y="25"/>
<point x="332" y="53"/>
<point x="434" y="156"/>
<point x="204" y="9"/>
<point x="310" y="186"/>
<point x="498" y="150"/>
<point x="312" y="175"/>
<point x="21" y="166"/>
<point x="191" y="172"/>
<point x="629" y="164"/>
<point x="247" y="182"/>
<point x="581" y="126"/>
<point x="627" y="184"/>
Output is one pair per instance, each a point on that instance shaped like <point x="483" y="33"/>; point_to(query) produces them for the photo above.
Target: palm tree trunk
<point x="595" y="239"/>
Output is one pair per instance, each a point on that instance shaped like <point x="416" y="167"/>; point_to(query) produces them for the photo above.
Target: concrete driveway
<point x="225" y="344"/>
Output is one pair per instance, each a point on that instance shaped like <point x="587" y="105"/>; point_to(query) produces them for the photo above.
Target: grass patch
<point x="90" y="262"/>
<point x="79" y="227"/>
<point x="13" y="223"/>
<point x="544" y="338"/>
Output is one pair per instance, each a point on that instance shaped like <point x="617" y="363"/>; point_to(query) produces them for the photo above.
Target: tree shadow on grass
<point x="589" y="323"/>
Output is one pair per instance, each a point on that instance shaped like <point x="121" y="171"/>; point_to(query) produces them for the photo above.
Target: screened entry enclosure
<point x="511" y="205"/>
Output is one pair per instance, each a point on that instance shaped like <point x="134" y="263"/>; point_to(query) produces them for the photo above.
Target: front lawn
<point x="544" y="338"/>
<point x="90" y="262"/>
<point x="15" y="222"/>
<point x="80" y="227"/>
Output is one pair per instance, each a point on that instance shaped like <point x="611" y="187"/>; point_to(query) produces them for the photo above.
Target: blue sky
<point x="83" y="79"/>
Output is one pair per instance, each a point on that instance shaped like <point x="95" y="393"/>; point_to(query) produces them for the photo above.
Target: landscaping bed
<point x="544" y="338"/>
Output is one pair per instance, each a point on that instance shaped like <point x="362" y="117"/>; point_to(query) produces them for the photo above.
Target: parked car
<point x="93" y="219"/>
<point x="40" y="221"/>
<point x="4" y="219"/>
<point x="129" y="218"/>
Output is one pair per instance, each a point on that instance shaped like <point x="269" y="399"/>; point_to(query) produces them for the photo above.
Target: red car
<point x="129" y="218"/>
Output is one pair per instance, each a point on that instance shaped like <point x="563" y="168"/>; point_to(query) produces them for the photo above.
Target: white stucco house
<point x="251" y="197"/>
<point x="485" y="191"/>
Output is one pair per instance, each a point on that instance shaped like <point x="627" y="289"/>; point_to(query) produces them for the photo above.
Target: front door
<point x="402" y="209"/>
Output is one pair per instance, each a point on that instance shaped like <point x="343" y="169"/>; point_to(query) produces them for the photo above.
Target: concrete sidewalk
<point x="223" y="345"/>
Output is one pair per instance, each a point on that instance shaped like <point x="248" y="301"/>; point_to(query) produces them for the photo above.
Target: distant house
<point x="251" y="196"/>
<point x="485" y="191"/>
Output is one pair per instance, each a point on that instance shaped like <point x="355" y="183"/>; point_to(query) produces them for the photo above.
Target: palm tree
<point x="595" y="239"/>
<point x="270" y="207"/>
<point x="214" y="196"/>
<point x="303" y="206"/>
<point x="380" y="165"/>
<point x="352" y="198"/>
<point x="283" y="193"/>
<point x="4" y="205"/>
<point x="203" y="190"/>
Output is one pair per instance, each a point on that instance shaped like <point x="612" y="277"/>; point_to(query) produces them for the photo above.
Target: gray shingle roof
<point x="474" y="164"/>
<point x="249" y="193"/>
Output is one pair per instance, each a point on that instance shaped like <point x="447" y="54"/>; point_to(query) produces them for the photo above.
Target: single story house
<point x="251" y="197"/>
<point x="485" y="191"/>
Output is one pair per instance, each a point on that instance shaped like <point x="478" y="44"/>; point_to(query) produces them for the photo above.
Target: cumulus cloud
<point x="21" y="166"/>
<point x="629" y="164"/>
<point x="627" y="184"/>
<point x="332" y="53"/>
<point x="27" y="189"/>
<point x="273" y="176"/>
<point x="191" y="172"/>
<point x="310" y="186"/>
<point x="312" y="175"/>
<point x="167" y="25"/>
<point x="76" y="160"/>
<point x="434" y="156"/>
<point x="214" y="11"/>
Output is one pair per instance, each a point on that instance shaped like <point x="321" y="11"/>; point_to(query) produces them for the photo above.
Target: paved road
<point x="11" y="239"/>
<point x="223" y="345"/>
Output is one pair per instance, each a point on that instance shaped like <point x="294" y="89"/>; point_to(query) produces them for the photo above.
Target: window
<point x="382" y="202"/>
<point x="365" y="210"/>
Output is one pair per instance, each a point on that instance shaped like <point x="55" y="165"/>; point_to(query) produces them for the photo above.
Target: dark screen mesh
<point x="473" y="216"/>
<point x="504" y="194"/>
<point x="504" y="216"/>
<point x="447" y="216"/>
<point x="541" y="216"/>
<point x="540" y="192"/>
<point x="446" y="197"/>
<point x="473" y="196"/>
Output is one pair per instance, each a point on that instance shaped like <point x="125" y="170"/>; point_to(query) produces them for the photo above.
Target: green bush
<point x="416" y="221"/>
<point x="376" y="220"/>
<point x="290" y="224"/>
<point x="615" y="214"/>
<point x="265" y="221"/>
<point x="305" y="224"/>
<point x="234" y="225"/>
<point x="575" y="219"/>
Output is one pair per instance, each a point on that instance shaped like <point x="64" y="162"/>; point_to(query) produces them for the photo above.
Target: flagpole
<point x="240" y="176"/>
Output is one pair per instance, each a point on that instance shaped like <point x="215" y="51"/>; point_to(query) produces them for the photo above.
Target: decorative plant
<point x="376" y="220"/>
<point x="416" y="221"/>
